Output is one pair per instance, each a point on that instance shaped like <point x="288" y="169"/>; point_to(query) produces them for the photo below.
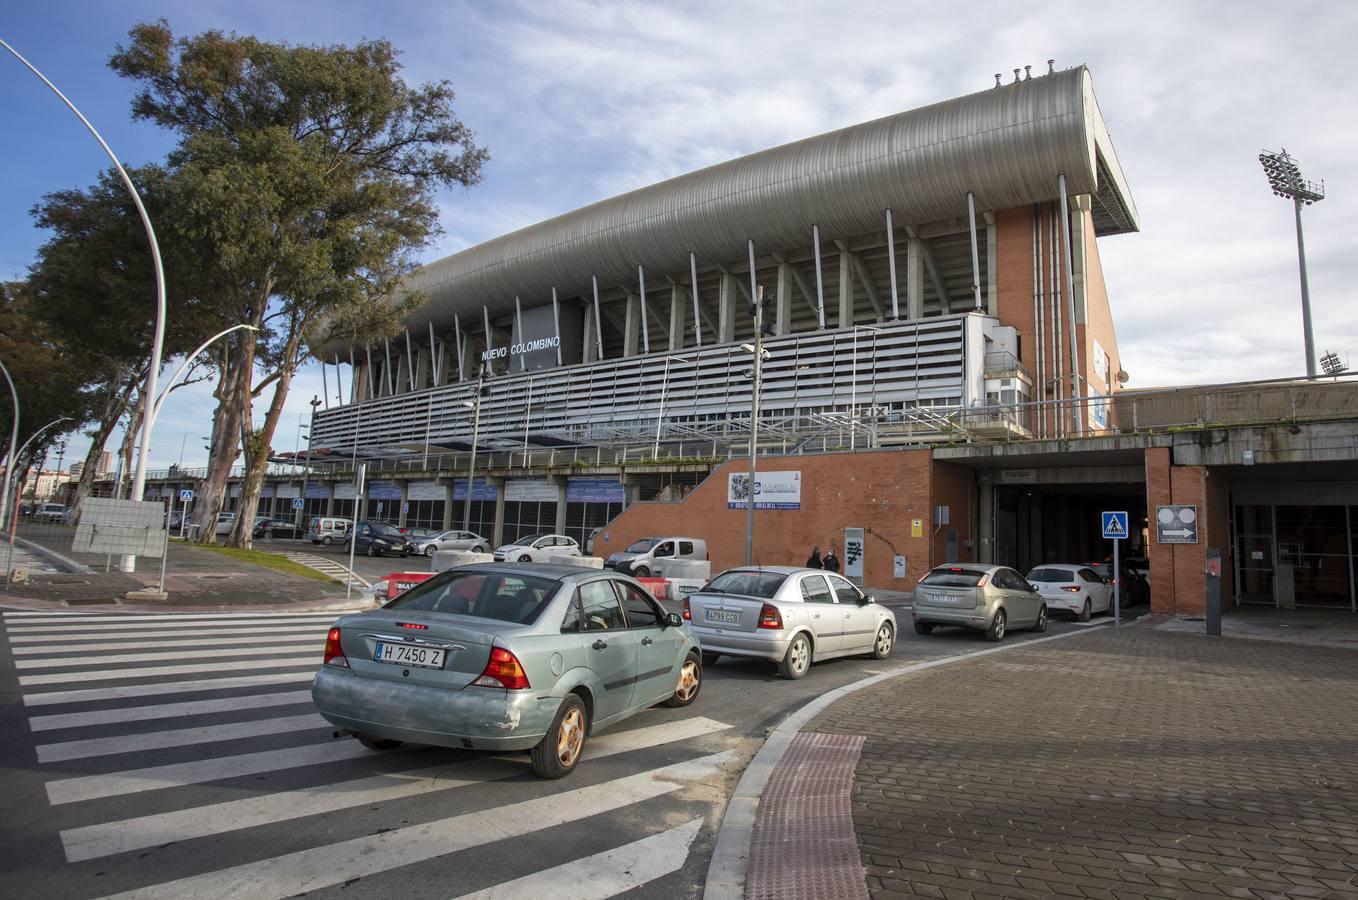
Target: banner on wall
<point x="346" y="491"/>
<point x="482" y="491"/>
<point x="530" y="490"/>
<point x="595" y="490"/>
<point x="288" y="491"/>
<point x="853" y="554"/>
<point x="426" y="490"/>
<point x="384" y="490"/>
<point x="317" y="491"/>
<point x="772" y="490"/>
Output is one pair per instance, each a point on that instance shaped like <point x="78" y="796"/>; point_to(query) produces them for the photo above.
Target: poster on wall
<point x="1102" y="365"/>
<point x="530" y="490"/>
<point x="346" y="491"/>
<point x="1098" y="410"/>
<point x="384" y="490"/>
<point x="772" y="490"/>
<point x="853" y="555"/>
<point x="426" y="490"/>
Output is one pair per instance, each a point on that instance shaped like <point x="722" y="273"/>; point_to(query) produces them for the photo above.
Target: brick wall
<point x="1178" y="571"/>
<point x="878" y="490"/>
<point x="954" y="487"/>
<point x="1161" y="556"/>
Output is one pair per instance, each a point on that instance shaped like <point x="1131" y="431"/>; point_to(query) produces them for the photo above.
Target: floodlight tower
<point x="1284" y="176"/>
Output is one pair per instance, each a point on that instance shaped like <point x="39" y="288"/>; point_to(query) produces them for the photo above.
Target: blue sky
<point x="578" y="101"/>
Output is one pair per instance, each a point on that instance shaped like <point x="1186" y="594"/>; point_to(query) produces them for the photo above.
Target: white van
<point x="327" y="529"/>
<point x="639" y="560"/>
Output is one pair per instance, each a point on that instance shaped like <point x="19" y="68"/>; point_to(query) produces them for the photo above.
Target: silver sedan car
<point x="787" y="615"/>
<point x="450" y="540"/>
<point x="506" y="657"/>
<point x="986" y="598"/>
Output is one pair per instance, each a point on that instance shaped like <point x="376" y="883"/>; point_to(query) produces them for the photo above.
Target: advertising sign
<point x="772" y="490"/>
<point x="426" y="490"/>
<point x="595" y="490"/>
<point x="481" y="491"/>
<point x="346" y="492"/>
<point x="530" y="490"/>
<point x="853" y="554"/>
<point x="316" y="491"/>
<point x="1098" y="409"/>
<point x="384" y="490"/>
<point x="288" y="491"/>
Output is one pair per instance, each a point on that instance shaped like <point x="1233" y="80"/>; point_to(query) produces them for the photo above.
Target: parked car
<point x="494" y="657"/>
<point x="271" y="528"/>
<point x="225" y="521"/>
<point x="450" y="540"/>
<point x="327" y="529"/>
<point x="537" y="548"/>
<point x="982" y="597"/>
<point x="49" y="512"/>
<point x="1135" y="573"/>
<point x="378" y="539"/>
<point x="641" y="557"/>
<point x="25" y="510"/>
<point x="789" y="616"/>
<point x="1072" y="588"/>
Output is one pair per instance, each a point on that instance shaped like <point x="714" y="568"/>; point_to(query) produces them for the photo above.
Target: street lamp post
<point x="471" y="466"/>
<point x="853" y="388"/>
<point x="9" y="476"/>
<point x="13" y="440"/>
<point x="306" y="467"/>
<point x="660" y="416"/>
<point x="1284" y="177"/>
<point x="756" y="375"/>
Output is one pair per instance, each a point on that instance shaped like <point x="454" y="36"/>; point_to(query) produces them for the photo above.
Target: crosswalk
<point x="329" y="567"/>
<point x="181" y="756"/>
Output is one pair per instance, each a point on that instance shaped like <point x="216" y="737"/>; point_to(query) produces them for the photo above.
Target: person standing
<point x="814" y="561"/>
<point x="831" y="562"/>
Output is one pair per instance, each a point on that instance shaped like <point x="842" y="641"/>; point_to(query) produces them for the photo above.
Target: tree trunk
<point x="115" y="405"/>
<point x="128" y="447"/>
<point x="233" y="399"/>
<point x="257" y="462"/>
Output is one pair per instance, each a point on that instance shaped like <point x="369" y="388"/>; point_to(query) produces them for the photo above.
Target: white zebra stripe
<point x="167" y="627"/>
<point x="313" y="648"/>
<point x="325" y="866"/>
<point x="165" y="710"/>
<point x="161" y="671"/>
<point x="46" y="643"/>
<point x="182" y="737"/>
<point x="83" y="695"/>
<point x="606" y="874"/>
<point x="171" y="617"/>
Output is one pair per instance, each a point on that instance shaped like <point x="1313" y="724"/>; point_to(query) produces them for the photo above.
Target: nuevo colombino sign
<point x="547" y="343"/>
<point x="772" y="490"/>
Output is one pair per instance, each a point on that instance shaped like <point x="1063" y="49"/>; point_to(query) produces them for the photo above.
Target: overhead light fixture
<point x="1285" y="178"/>
<point x="1331" y="364"/>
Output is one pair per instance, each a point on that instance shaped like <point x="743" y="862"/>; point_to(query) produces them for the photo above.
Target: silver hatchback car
<point x="983" y="597"/>
<point x="787" y="615"/>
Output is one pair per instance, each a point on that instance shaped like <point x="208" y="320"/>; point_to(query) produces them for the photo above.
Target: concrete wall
<point x="881" y="491"/>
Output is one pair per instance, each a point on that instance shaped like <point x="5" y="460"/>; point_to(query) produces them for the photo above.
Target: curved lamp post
<point x="13" y="438"/>
<point x="9" y="476"/>
<point x="158" y="344"/>
<point x="188" y="360"/>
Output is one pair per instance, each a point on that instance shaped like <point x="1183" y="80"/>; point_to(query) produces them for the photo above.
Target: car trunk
<point x="728" y="612"/>
<point x="947" y="596"/>
<point x="466" y="642"/>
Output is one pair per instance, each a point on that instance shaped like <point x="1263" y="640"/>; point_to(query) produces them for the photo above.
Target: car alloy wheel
<point x="1041" y="624"/>
<point x="797" y="659"/>
<point x="996" y="630"/>
<point x="641" y="572"/>
<point x="881" y="648"/>
<point x="525" y="558"/>
<point x="690" y="682"/>
<point x="559" y="751"/>
<point x="327" y="540"/>
<point x="268" y="535"/>
<point x="1085" y="611"/>
<point x="478" y="549"/>
<point x="372" y="550"/>
<point x="430" y="550"/>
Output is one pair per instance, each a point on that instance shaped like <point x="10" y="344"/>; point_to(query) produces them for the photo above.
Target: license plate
<point x="729" y="616"/>
<point x="409" y="655"/>
<point x="945" y="599"/>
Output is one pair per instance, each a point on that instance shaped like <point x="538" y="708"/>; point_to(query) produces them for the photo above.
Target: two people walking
<point x="829" y="562"/>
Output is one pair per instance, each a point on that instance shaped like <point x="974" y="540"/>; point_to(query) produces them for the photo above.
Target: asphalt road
<point x="148" y="754"/>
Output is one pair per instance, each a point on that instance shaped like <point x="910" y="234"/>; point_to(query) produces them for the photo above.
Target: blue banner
<point x="595" y="490"/>
<point x="384" y="490"/>
<point x="482" y="491"/>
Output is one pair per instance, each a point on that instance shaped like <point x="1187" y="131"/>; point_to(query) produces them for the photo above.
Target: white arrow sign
<point x="1179" y="533"/>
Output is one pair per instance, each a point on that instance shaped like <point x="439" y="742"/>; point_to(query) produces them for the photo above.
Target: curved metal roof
<point x="1006" y="145"/>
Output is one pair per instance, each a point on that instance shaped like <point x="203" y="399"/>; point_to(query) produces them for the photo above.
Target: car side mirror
<point x="1032" y="588"/>
<point x="866" y="599"/>
<point x="672" y="620"/>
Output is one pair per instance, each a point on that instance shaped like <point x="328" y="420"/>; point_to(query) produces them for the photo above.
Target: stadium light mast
<point x="1284" y="177"/>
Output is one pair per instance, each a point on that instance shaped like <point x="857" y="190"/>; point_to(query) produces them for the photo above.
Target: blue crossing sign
<point x="185" y="496"/>
<point x="296" y="502"/>
<point x="1115" y="526"/>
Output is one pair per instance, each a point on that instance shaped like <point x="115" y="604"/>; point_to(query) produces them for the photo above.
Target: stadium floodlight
<point x="1331" y="364"/>
<point x="1285" y="178"/>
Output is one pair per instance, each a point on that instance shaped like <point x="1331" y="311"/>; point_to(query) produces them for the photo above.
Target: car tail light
<point x="334" y="656"/>
<point x="503" y="670"/>
<point x="769" y="617"/>
<point x="980" y="581"/>
<point x="687" y="613"/>
<point x="413" y="625"/>
<point x="1072" y="588"/>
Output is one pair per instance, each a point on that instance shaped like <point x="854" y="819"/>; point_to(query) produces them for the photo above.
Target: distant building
<point x="43" y="485"/>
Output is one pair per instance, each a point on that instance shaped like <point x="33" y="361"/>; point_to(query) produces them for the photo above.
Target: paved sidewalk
<point x="1136" y="763"/>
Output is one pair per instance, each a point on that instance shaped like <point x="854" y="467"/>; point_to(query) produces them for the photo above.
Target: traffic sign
<point x="1115" y="526"/>
<point x="185" y="496"/>
<point x="1176" y="524"/>
<point x="296" y="502"/>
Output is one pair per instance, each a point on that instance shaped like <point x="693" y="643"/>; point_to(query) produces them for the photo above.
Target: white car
<point x="1072" y="588"/>
<point x="537" y="548"/>
<point x="224" y="522"/>
<point x="450" y="540"/>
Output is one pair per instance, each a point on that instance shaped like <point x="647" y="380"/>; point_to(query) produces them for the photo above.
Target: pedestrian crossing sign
<point x="1115" y="526"/>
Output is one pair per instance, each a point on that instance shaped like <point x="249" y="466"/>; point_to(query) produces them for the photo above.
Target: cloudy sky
<point x="578" y="101"/>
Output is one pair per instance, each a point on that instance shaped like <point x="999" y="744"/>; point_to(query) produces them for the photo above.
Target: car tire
<point x="525" y="558"/>
<point x="641" y="572"/>
<point x="1040" y="625"/>
<point x="478" y="549"/>
<point x="710" y="659"/>
<point x="797" y="660"/>
<point x="558" y="753"/>
<point x="882" y="644"/>
<point x="1084" y="613"/>
<point x="372" y="550"/>
<point x="995" y="632"/>
<point x="377" y="743"/>
<point x="430" y="550"/>
<point x="924" y="628"/>
<point x="690" y="681"/>
<point x="327" y="540"/>
<point x="268" y="535"/>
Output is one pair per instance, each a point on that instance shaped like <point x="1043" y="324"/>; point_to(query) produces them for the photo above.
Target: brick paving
<point x="1113" y="765"/>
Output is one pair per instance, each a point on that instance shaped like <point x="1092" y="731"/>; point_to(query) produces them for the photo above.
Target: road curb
<point x="731" y="854"/>
<point x="47" y="553"/>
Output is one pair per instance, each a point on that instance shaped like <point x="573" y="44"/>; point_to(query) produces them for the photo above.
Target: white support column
<point x="587" y="344"/>
<point x="368" y="370"/>
<point x="992" y="248"/>
<point x="485" y="315"/>
<point x="598" y="317"/>
<point x="435" y="358"/>
<point x="726" y="309"/>
<point x="391" y="378"/>
<point x="410" y="363"/>
<point x="457" y="337"/>
<point x="556" y="322"/>
<point x="846" y="317"/>
<point x="645" y="326"/>
<point x="754" y="287"/>
<point x="693" y="293"/>
<point x="914" y="279"/>
<point x="820" y="281"/>
<point x="518" y="333"/>
<point x="975" y="254"/>
<point x="676" y="317"/>
<point x="891" y="264"/>
<point x="782" y="320"/>
<point x="632" y="326"/>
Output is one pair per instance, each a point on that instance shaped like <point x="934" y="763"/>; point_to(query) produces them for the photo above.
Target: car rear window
<point x="487" y="595"/>
<point x="1047" y="576"/>
<point x="746" y="584"/>
<point x="953" y="577"/>
<point x="386" y="531"/>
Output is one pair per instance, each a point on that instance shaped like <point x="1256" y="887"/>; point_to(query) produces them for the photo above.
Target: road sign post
<point x="1115" y="530"/>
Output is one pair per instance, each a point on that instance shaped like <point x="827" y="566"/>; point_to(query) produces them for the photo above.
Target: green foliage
<point x="47" y="378"/>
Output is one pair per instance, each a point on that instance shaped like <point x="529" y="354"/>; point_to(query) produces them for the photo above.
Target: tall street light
<point x="756" y="376"/>
<point x="853" y="389"/>
<point x="10" y="476"/>
<point x="306" y="467"/>
<point x="1284" y="177"/>
<point x="475" y="405"/>
<point x="13" y="440"/>
<point x="660" y="416"/>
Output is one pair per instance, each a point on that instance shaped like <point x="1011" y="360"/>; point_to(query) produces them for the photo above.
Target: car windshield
<point x="953" y="577"/>
<point x="528" y="540"/>
<point x="1047" y="576"/>
<point x="486" y="595"/>
<point x="386" y="531"/>
<point x="746" y="584"/>
<point x="642" y="546"/>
